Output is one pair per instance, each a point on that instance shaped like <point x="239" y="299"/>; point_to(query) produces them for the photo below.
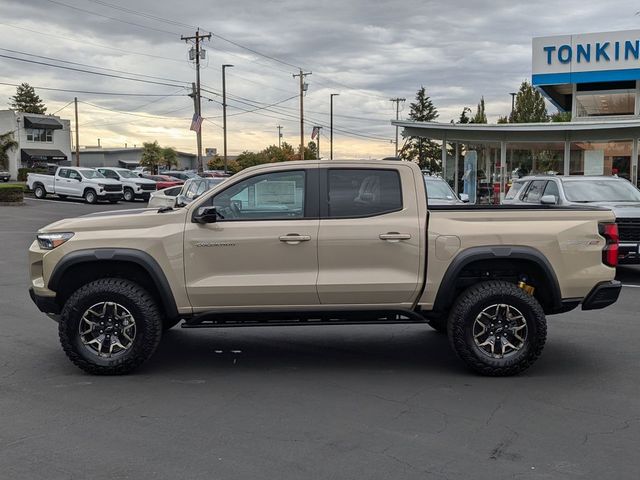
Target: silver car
<point x="440" y="193"/>
<point x="184" y="194"/>
<point x="614" y="193"/>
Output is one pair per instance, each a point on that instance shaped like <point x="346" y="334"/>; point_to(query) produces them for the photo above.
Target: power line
<point x="59" y="110"/>
<point x="91" y="66"/>
<point x="89" y="92"/>
<point x="88" y="71"/>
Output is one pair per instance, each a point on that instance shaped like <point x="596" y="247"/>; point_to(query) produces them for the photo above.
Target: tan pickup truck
<point x="318" y="242"/>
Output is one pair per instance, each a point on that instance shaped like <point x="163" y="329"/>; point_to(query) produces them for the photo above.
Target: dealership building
<point x="595" y="77"/>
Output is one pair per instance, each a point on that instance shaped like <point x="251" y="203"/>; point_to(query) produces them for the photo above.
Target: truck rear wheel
<point x="497" y="329"/>
<point x="39" y="191"/>
<point x="110" y="326"/>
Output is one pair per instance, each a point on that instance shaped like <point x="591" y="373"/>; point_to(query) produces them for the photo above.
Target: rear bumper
<point x="46" y="305"/>
<point x="602" y="295"/>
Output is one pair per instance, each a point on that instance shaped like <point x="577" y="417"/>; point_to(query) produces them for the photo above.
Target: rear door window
<point x="63" y="173"/>
<point x="363" y="192"/>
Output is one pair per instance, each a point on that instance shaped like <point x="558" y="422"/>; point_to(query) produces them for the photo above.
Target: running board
<point x="281" y="319"/>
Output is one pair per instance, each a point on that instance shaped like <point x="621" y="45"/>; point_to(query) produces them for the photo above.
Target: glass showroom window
<point x="479" y="172"/>
<point x="534" y="158"/>
<point x="605" y="103"/>
<point x="601" y="158"/>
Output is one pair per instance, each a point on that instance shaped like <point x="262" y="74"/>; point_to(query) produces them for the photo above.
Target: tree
<point x="311" y="151"/>
<point x="418" y="149"/>
<point x="529" y="106"/>
<point x="480" y="116"/>
<point x="561" y="117"/>
<point x="503" y="119"/>
<point x="26" y="100"/>
<point x="7" y="143"/>
<point x="169" y="157"/>
<point x="151" y="155"/>
<point x="464" y="116"/>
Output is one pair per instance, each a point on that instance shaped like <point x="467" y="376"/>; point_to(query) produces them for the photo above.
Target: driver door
<point x="262" y="252"/>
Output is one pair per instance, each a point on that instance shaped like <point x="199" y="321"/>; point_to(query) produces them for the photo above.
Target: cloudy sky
<point x="366" y="51"/>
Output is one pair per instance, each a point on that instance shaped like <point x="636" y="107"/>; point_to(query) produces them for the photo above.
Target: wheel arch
<point x="142" y="266"/>
<point x="528" y="259"/>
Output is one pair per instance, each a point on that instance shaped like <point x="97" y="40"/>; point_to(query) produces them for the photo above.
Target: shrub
<point x="11" y="193"/>
<point x="23" y="172"/>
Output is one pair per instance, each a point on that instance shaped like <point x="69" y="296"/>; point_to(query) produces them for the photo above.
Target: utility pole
<point x="75" y="101"/>
<point x="303" y="88"/>
<point x="224" y="113"/>
<point x="280" y="127"/>
<point x="331" y="127"/>
<point x="397" y="102"/>
<point x="196" y="93"/>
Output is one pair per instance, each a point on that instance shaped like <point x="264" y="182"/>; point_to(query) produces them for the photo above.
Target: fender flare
<point x="130" y="255"/>
<point x="446" y="293"/>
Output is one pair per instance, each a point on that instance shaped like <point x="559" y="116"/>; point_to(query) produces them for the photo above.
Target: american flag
<point x="196" y="123"/>
<point x="315" y="133"/>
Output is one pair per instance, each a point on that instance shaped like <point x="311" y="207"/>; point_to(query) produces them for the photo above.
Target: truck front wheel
<point x="90" y="196"/>
<point x="110" y="326"/>
<point x="497" y="329"/>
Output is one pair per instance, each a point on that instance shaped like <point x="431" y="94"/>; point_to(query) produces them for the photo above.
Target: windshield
<point x="601" y="190"/>
<point x="439" y="189"/>
<point x="91" y="174"/>
<point x="127" y="174"/>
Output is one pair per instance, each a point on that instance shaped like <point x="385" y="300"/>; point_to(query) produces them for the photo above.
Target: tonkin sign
<point x="591" y="57"/>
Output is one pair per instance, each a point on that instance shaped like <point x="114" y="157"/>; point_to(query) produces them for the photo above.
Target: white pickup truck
<point x="85" y="183"/>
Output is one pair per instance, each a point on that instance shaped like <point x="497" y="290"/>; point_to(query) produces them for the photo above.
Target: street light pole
<point x="224" y="112"/>
<point x="331" y="126"/>
<point x="280" y="127"/>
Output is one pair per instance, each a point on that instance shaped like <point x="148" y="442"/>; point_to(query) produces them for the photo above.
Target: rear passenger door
<point x="369" y="237"/>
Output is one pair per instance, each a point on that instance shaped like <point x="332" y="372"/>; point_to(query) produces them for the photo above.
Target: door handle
<point x="294" y="238"/>
<point x="393" y="237"/>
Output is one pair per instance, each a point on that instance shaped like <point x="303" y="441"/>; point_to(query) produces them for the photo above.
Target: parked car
<point x="341" y="242"/>
<point x="182" y="175"/>
<point x="85" y="183"/>
<point x="214" y="173"/>
<point x="165" y="197"/>
<point x="613" y="193"/>
<point x="133" y="186"/>
<point x="163" y="181"/>
<point x="5" y="176"/>
<point x="440" y="193"/>
<point x="188" y="192"/>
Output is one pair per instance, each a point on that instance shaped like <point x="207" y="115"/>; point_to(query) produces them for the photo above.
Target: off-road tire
<point x="128" y="195"/>
<point x="143" y="308"/>
<point x="90" y="196"/>
<point x="39" y="191"/>
<point x="469" y="305"/>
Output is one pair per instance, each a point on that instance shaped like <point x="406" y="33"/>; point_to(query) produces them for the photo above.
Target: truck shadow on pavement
<point x="410" y="349"/>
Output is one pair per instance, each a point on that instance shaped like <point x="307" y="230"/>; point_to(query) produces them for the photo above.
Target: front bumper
<point x="110" y="195"/>
<point x="46" y="305"/>
<point x="602" y="295"/>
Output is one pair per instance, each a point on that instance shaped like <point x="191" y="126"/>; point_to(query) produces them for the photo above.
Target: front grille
<point x="148" y="186"/>
<point x="629" y="229"/>
<point x="112" y="188"/>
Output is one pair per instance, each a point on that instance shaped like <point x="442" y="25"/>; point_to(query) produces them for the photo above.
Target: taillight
<point x="610" y="251"/>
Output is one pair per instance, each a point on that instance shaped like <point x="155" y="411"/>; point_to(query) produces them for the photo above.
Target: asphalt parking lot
<point x="341" y="402"/>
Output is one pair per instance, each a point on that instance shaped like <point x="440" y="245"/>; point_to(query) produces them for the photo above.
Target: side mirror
<point x="549" y="200"/>
<point x="206" y="215"/>
<point x="464" y="197"/>
<point x="181" y="201"/>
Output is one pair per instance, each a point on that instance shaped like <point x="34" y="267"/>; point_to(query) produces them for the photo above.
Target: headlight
<point x="101" y="185"/>
<point x="49" y="241"/>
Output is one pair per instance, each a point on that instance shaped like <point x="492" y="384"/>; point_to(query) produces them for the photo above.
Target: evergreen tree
<point x="425" y="152"/>
<point x="7" y="143"/>
<point x="480" y="116"/>
<point x="529" y="106"/>
<point x="503" y="119"/>
<point x="26" y="100"/>
<point x="561" y="117"/>
<point x="464" y="116"/>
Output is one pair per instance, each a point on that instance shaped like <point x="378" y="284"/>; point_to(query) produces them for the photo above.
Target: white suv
<point x="132" y="185"/>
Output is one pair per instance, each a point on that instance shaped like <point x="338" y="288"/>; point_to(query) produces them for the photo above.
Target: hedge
<point x="11" y="193"/>
<point x="22" y="172"/>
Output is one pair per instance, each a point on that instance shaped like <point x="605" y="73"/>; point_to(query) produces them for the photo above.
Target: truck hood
<point x="104" y="181"/>
<point x="141" y="218"/>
